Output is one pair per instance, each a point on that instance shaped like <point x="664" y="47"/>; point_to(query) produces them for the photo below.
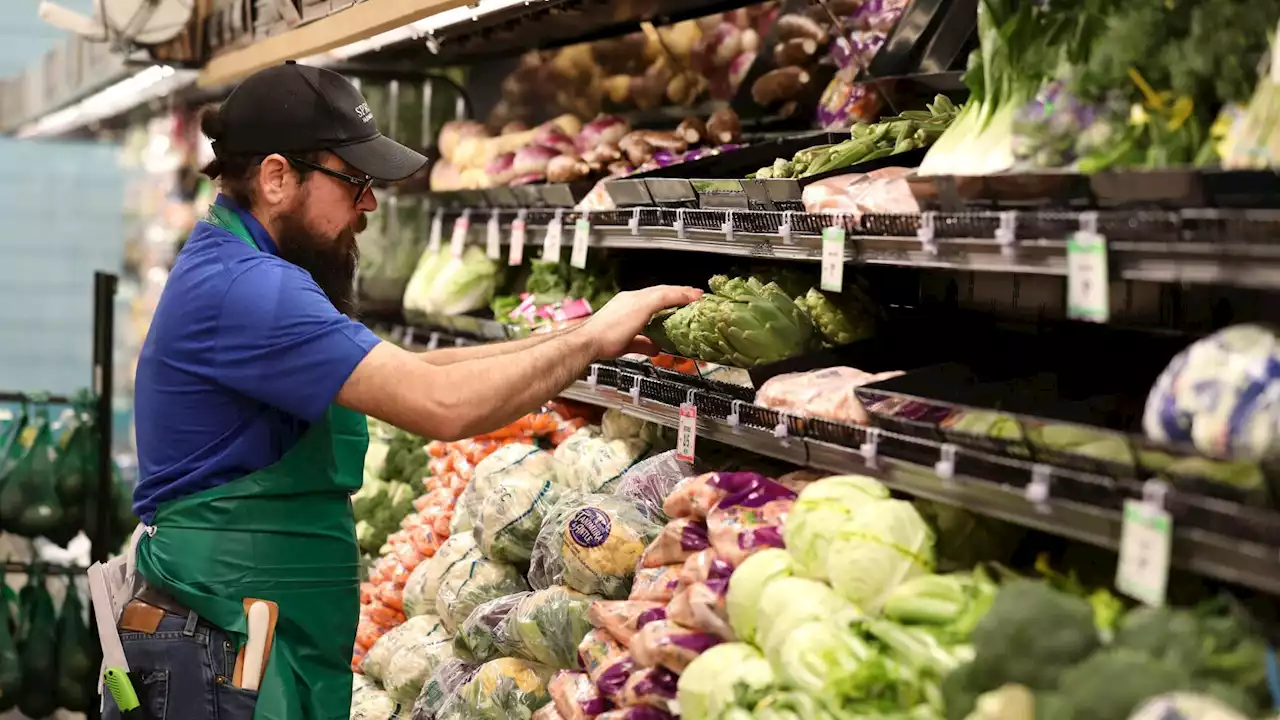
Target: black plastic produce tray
<point x="906" y="41"/>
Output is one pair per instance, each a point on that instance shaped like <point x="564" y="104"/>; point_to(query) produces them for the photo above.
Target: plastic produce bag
<point x="641" y="712"/>
<point x="423" y="585"/>
<point x="378" y="661"/>
<point x="547" y="712"/>
<point x="700" y="606"/>
<point x="77" y="671"/>
<point x="705" y="567"/>
<point x="472" y="582"/>
<point x="827" y="393"/>
<point x="415" y="662"/>
<point x="622" y="619"/>
<point x="480" y="637"/>
<point x="656" y="584"/>
<point x="502" y="688"/>
<point x="368" y="702"/>
<point x="28" y="496"/>
<point x="547" y="626"/>
<point x="749" y="520"/>
<point x="597" y="651"/>
<point x="444" y="683"/>
<point x="695" y="497"/>
<point x="591" y="543"/>
<point x="678" y="540"/>
<point x="575" y="697"/>
<point x="510" y="517"/>
<point x="655" y="687"/>
<point x="650" y="481"/>
<point x="37" y="648"/>
<point x="73" y="470"/>
<point x="662" y="643"/>
<point x="589" y="463"/>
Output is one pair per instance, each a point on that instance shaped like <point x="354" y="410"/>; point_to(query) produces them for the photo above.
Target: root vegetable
<point x="454" y="132"/>
<point x="620" y="169"/>
<point x="779" y="85"/>
<point x="724" y="127"/>
<point x="529" y="179"/>
<point x="665" y="140"/>
<point x="797" y="51"/>
<point x="750" y="41"/>
<point x="618" y="88"/>
<point x="637" y="150"/>
<point x="684" y="88"/>
<point x="532" y="159"/>
<point x="567" y="168"/>
<point x="514" y="126"/>
<point x="501" y="169"/>
<point x="601" y="155"/>
<point x="692" y="130"/>
<point x="605" y="129"/>
<point x="793" y="25"/>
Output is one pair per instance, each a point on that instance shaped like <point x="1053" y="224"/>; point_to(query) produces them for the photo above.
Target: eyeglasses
<point x="363" y="183"/>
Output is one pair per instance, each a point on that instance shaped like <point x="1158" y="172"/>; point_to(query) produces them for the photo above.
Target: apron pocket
<point x="235" y="703"/>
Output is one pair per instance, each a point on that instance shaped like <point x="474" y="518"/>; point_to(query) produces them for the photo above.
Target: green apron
<point x="286" y="534"/>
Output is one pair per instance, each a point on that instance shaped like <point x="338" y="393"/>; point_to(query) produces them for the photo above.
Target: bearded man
<point x="251" y="395"/>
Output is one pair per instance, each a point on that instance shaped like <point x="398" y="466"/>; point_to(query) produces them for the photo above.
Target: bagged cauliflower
<point x="489" y="472"/>
<point x="472" y="582"/>
<point x="423" y="585"/>
<point x="378" y="661"/>
<point x="591" y="543"/>
<point x="502" y="688"/>
<point x="650" y="481"/>
<point x="616" y="425"/>
<point x="444" y="684"/>
<point x="370" y="703"/>
<point x="589" y="463"/>
<point x="416" y="660"/>
<point x="511" y="516"/>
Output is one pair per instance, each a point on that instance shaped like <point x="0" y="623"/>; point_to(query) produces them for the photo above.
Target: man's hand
<point x="615" y="328"/>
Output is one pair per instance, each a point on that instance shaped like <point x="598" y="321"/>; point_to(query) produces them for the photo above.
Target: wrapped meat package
<point x="826" y="393"/>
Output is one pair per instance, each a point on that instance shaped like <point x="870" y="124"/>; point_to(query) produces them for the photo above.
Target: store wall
<point x="61" y="218"/>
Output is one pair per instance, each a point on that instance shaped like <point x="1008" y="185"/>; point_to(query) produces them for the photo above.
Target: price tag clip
<point x="833" y="240"/>
<point x="581" y="242"/>
<point x="928" y="239"/>
<point x="493" y="237"/>
<point x="945" y="468"/>
<point x="1037" y="491"/>
<point x="784" y="229"/>
<point x="870" y="448"/>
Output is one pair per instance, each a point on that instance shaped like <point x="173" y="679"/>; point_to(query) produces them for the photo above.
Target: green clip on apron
<point x="286" y="534"/>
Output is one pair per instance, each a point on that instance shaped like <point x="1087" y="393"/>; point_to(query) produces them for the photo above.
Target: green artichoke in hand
<point x="840" y="321"/>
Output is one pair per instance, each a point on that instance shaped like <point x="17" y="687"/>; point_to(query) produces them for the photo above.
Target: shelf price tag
<point x="784" y="229"/>
<point x="433" y="342"/>
<point x="553" y="240"/>
<point x="581" y="241"/>
<point x="1146" y="539"/>
<point x="1088" y="282"/>
<point x="832" y="259"/>
<point x="515" y="253"/>
<point x="687" y="430"/>
<point x="458" y="241"/>
<point x="493" y="237"/>
<point x="437" y="230"/>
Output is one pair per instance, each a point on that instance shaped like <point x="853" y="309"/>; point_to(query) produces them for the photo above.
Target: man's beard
<point x="332" y="261"/>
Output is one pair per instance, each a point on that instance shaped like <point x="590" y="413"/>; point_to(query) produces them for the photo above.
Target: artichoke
<point x="656" y="331"/>
<point x="839" y="321"/>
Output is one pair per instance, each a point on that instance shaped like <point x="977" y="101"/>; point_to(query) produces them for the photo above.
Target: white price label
<point x="832" y="259"/>
<point x="493" y="238"/>
<point x="458" y="241"/>
<point x="687" y="432"/>
<point x="1146" y="539"/>
<point x="437" y="230"/>
<point x="1088" y="283"/>
<point x="581" y="241"/>
<point x="515" y="254"/>
<point x="551" y="243"/>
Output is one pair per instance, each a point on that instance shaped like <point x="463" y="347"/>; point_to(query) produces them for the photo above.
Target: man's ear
<point x="276" y="183"/>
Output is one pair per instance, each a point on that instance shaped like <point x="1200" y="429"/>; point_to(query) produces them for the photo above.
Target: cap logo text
<point x="363" y="112"/>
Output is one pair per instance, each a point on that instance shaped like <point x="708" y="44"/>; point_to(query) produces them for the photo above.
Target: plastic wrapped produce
<point x="748" y="521"/>
<point x="612" y="676"/>
<point x="662" y="643"/>
<point x="379" y="659"/>
<point x="590" y="463"/>
<point x="696" y="496"/>
<point x="575" y="697"/>
<point x="591" y="543"/>
<point x="547" y="712"/>
<point x="622" y="619"/>
<point x="642" y="712"/>
<point x="513" y="458"/>
<point x="511" y="516"/>
<point x="648" y="482"/>
<point x="617" y="425"/>
<point x="827" y="393"/>
<point x="654" y="687"/>
<point x="705" y="567"/>
<point x="472" y="582"/>
<point x="597" y="651"/>
<point x="415" y="662"/>
<point x="678" y="540"/>
<point x="548" y="625"/>
<point x="502" y="688"/>
<point x="656" y="584"/>
<point x="700" y="606"/>
<point x="370" y="703"/>
<point x="479" y="637"/>
<point x="444" y="683"/>
<point x="423" y="585"/>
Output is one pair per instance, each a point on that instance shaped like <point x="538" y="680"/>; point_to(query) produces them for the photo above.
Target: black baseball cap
<point x="293" y="108"/>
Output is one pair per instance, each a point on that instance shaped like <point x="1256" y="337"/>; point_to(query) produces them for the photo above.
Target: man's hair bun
<point x="211" y="126"/>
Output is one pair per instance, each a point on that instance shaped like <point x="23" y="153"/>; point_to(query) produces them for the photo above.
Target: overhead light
<point x="154" y="81"/>
<point x="414" y="30"/>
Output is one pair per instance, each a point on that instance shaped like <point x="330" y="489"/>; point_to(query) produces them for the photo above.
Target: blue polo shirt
<point x="244" y="353"/>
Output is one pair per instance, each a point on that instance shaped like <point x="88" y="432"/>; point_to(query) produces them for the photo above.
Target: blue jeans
<point x="183" y="671"/>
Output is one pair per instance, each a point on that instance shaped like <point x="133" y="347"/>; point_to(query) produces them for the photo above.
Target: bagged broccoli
<point x="379" y="659"/>
<point x="423" y="585"/>
<point x="502" y="688"/>
<point x="370" y="703"/>
<point x="480" y="637"/>
<point x="415" y="661"/>
<point x="650" y="481"/>
<point x="472" y="582"/>
<point x="444" y="684"/>
<point x="591" y="543"/>
<point x="547" y="626"/>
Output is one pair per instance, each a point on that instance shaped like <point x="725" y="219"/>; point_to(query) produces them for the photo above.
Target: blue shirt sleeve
<point x="281" y="342"/>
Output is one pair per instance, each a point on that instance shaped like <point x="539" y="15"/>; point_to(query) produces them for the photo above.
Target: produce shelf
<point x="1206" y="246"/>
<point x="1228" y="558"/>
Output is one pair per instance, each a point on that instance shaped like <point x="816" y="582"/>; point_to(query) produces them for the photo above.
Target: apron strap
<point x="229" y="220"/>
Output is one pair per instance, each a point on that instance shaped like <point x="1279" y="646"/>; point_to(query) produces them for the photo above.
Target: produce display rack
<point x="1206" y="245"/>
<point x="1035" y="495"/>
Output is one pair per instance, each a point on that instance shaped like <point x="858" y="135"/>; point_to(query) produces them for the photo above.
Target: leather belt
<point x="155" y="598"/>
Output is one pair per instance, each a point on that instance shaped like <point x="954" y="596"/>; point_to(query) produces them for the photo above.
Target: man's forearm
<point x="449" y="356"/>
<point x="462" y="399"/>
